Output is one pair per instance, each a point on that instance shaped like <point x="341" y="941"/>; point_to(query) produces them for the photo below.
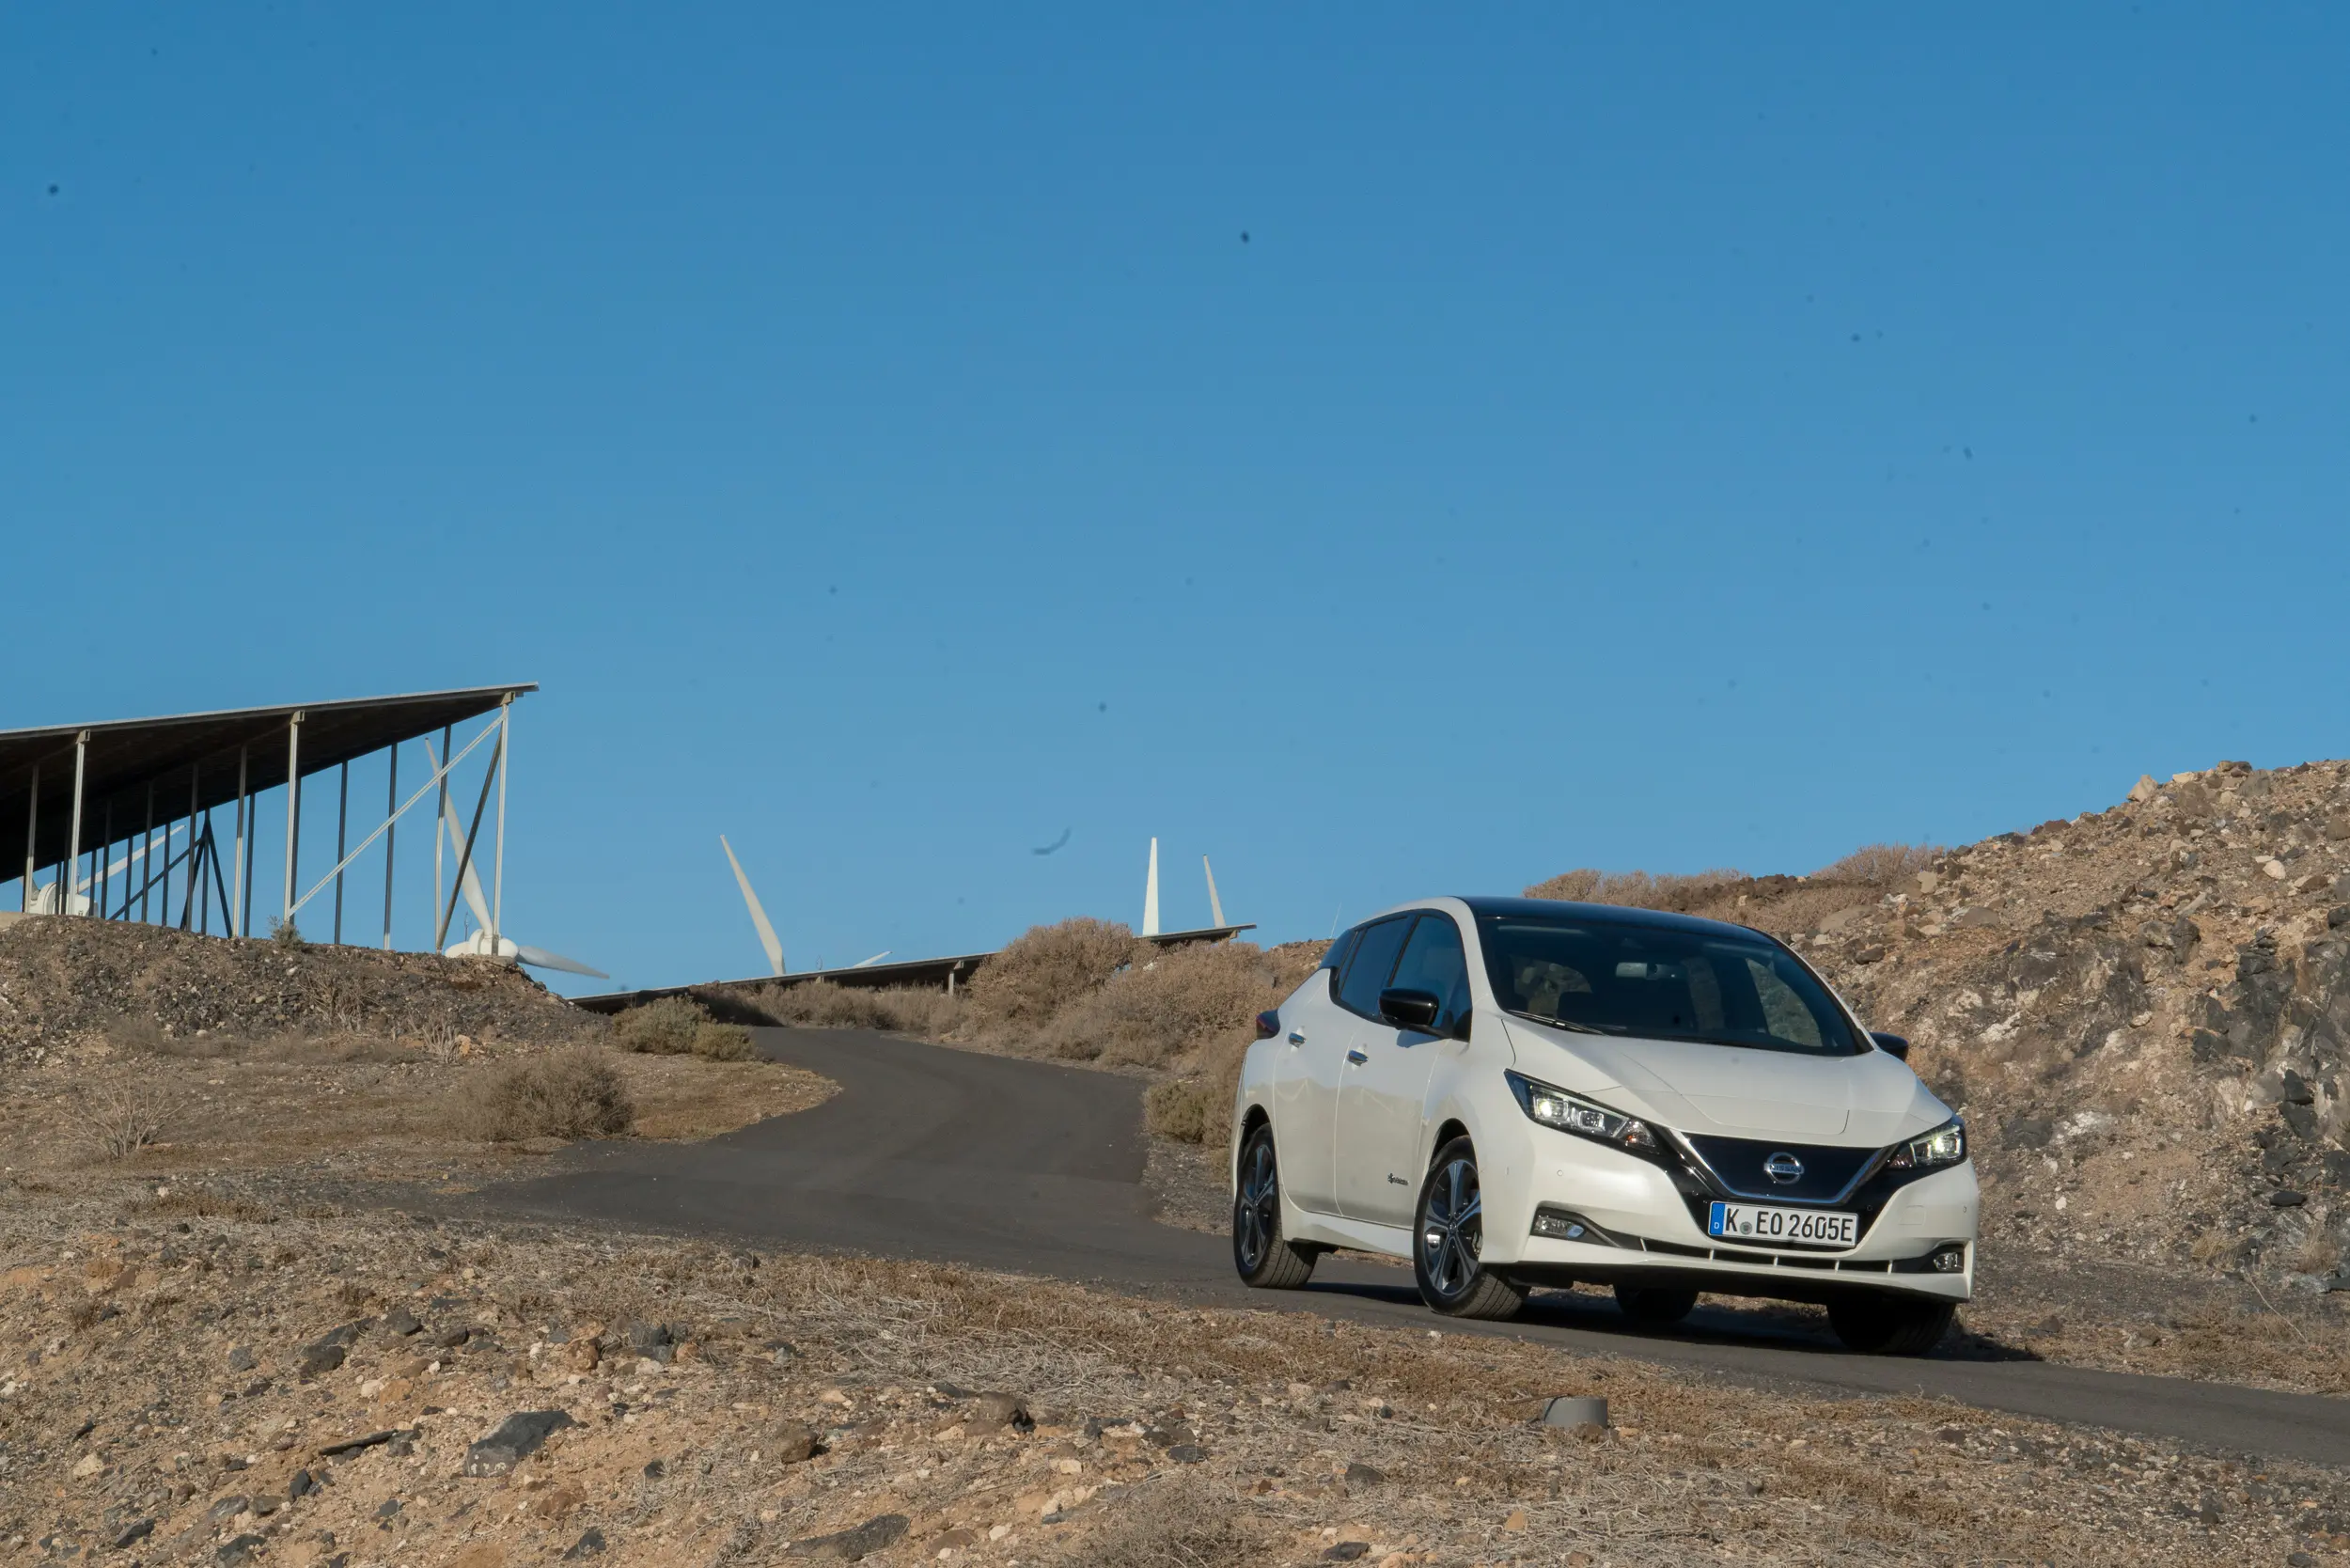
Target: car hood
<point x="1873" y="1099"/>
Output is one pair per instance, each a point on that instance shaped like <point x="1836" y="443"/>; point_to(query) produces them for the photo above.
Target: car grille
<point x="1737" y="1164"/>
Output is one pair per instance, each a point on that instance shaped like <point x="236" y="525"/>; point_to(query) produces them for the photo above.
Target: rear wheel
<point x="1447" y="1235"/>
<point x="1263" y="1258"/>
<point x="1655" y="1305"/>
<point x="1890" y="1325"/>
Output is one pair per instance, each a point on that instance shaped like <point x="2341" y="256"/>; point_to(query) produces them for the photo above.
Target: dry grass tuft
<point x="1045" y="969"/>
<point x="1883" y="867"/>
<point x="573" y="1094"/>
<point x="821" y="1004"/>
<point x="1637" y="890"/>
<point x="1170" y="1525"/>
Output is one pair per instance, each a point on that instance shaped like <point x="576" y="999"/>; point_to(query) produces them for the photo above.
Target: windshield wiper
<point x="1563" y="1024"/>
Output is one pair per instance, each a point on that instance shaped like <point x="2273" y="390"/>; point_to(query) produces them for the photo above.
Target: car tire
<point x="1448" y="1234"/>
<point x="1266" y="1260"/>
<point x="1890" y="1325"/>
<point x="1655" y="1305"/>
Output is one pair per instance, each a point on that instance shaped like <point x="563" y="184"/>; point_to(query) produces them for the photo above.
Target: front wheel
<point x="1448" y="1236"/>
<point x="1264" y="1260"/>
<point x="1890" y="1325"/>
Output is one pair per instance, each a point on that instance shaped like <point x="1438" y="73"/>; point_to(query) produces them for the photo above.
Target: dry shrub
<point x="571" y="1093"/>
<point x="722" y="1043"/>
<point x="117" y="1120"/>
<point x="666" y="1027"/>
<point x="1881" y="866"/>
<point x="1637" y="890"/>
<point x="821" y="1004"/>
<point x="1046" y="968"/>
<point x="1166" y="1005"/>
<point x="1172" y="1525"/>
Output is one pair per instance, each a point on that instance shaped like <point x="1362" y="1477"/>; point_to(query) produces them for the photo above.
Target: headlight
<point x="1945" y="1145"/>
<point x="1571" y="1113"/>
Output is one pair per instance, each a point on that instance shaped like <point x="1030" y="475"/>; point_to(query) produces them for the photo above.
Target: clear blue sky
<point x="1624" y="436"/>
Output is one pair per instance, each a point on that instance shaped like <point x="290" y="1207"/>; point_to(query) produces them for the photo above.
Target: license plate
<point x="1745" y="1222"/>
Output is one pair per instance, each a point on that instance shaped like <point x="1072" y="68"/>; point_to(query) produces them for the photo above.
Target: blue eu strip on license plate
<point x="1714" y="1221"/>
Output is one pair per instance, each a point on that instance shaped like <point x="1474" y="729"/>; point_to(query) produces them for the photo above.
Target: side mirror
<point x="1892" y="1044"/>
<point x="1409" y="1010"/>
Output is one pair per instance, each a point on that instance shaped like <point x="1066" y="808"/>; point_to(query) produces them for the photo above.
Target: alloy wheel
<point x="1257" y="1217"/>
<point x="1452" y="1229"/>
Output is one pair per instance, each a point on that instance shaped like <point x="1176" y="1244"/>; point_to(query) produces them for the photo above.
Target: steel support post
<point x="196" y="866"/>
<point x="32" y="823"/>
<point x="147" y="854"/>
<point x="440" y="829"/>
<point x="391" y="830"/>
<point x="497" y="873"/>
<point x="293" y="809"/>
<point x="241" y="915"/>
<point x="73" y="850"/>
<point x="105" y="883"/>
<point x="342" y="820"/>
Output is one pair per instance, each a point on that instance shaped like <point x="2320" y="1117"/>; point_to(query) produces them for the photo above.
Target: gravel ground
<point x="182" y="1376"/>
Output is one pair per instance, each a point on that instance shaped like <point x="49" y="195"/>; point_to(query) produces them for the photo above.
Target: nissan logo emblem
<point x="1783" y="1168"/>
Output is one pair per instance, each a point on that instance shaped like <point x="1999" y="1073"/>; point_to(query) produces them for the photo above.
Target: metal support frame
<point x="440" y="823"/>
<point x="147" y="855"/>
<point x="248" y="831"/>
<point x="32" y="824"/>
<point x="343" y="822"/>
<point x="100" y="895"/>
<point x="497" y="768"/>
<point x="195" y="851"/>
<point x="293" y="809"/>
<point x="391" y="833"/>
<point x="73" y="852"/>
<point x="439" y="778"/>
<point x="497" y="871"/>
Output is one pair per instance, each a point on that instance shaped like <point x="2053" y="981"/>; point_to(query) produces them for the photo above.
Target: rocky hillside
<point x="2144" y="1013"/>
<point x="62" y="979"/>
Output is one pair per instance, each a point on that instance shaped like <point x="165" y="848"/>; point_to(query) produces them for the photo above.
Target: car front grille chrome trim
<point x="1704" y="1171"/>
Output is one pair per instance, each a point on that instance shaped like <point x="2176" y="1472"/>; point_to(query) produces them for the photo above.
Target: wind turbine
<point x="1215" y="905"/>
<point x="767" y="938"/>
<point x="478" y="944"/>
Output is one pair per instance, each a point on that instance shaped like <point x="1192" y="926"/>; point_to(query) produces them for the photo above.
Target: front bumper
<point x="1642" y="1225"/>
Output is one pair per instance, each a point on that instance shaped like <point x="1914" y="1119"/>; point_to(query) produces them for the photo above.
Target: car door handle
<point x="1357" y="1057"/>
<point x="1297" y="1037"/>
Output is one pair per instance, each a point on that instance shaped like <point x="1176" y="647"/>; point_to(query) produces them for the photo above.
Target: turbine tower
<point x="1150" y="895"/>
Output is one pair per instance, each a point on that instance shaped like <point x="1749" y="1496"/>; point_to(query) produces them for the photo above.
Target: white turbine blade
<point x="767" y="938"/>
<point x="472" y="884"/>
<point x="538" y="958"/>
<point x="1215" y="905"/>
<point x="1150" y="895"/>
<point x="875" y="959"/>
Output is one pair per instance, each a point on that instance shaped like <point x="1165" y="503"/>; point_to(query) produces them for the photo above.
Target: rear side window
<point x="1373" y="961"/>
<point x="1336" y="957"/>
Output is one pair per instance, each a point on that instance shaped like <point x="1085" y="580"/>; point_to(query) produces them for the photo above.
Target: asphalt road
<point x="954" y="1157"/>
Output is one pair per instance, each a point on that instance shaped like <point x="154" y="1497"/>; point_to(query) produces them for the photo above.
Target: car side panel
<point x="1308" y="1057"/>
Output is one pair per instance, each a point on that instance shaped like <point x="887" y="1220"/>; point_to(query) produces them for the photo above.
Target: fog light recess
<point x="1559" y="1225"/>
<point x="1948" y="1260"/>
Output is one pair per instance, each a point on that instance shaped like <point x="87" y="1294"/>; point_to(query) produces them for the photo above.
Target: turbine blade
<point x="538" y="958"/>
<point x="875" y="959"/>
<point x="1215" y="905"/>
<point x="1150" y="895"/>
<point x="767" y="938"/>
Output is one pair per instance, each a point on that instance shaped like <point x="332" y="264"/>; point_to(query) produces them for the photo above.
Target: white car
<point x="1516" y="1092"/>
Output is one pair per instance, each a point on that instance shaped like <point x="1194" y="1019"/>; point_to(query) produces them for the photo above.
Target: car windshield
<point x="1599" y="976"/>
